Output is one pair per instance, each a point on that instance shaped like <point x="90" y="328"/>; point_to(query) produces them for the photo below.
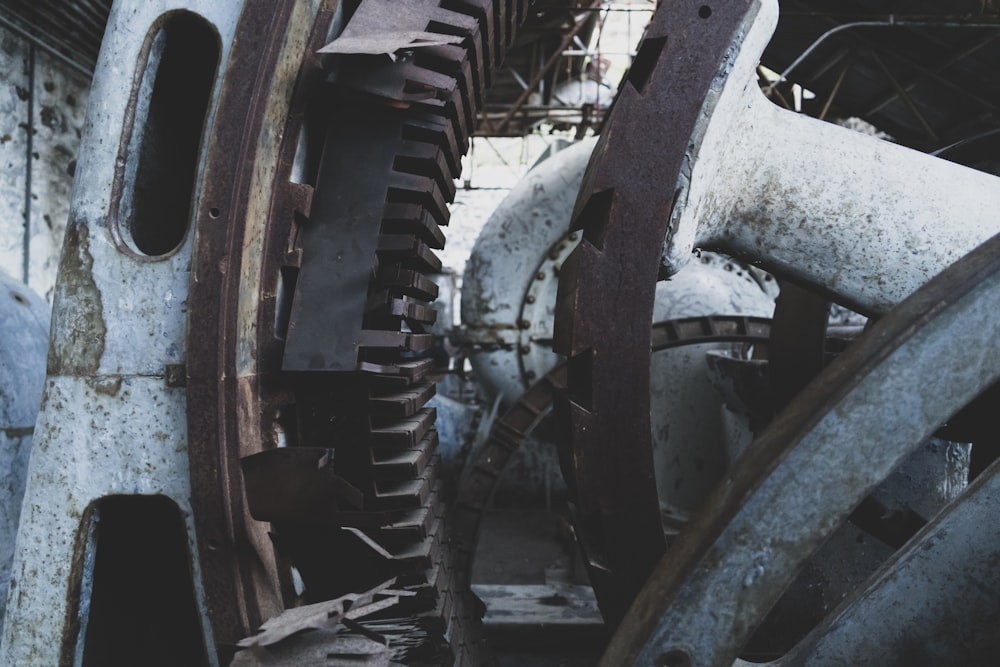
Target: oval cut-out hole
<point x="169" y="109"/>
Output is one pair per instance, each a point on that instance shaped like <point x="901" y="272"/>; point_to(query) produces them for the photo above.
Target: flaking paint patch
<point x="109" y="386"/>
<point x="78" y="327"/>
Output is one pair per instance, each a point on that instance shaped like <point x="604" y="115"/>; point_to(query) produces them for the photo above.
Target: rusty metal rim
<point x="606" y="289"/>
<point x="236" y="387"/>
<point x="232" y="548"/>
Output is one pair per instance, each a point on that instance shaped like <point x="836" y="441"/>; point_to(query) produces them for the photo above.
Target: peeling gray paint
<point x="79" y="330"/>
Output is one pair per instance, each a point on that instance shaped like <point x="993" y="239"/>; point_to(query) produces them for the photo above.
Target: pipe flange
<point x="534" y="349"/>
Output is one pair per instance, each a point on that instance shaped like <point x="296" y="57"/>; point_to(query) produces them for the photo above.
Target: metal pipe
<point x="820" y="203"/>
<point x="891" y="22"/>
<point x="866" y="220"/>
<point x="21" y="32"/>
<point x="29" y="158"/>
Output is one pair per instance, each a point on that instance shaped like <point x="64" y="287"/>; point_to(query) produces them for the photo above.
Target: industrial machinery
<point x="508" y="306"/>
<point x="237" y="376"/>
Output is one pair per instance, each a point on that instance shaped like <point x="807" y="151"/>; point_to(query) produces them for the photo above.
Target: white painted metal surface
<point x="692" y="434"/>
<point x="24" y="337"/>
<point x="941" y="585"/>
<point x="113" y="420"/>
<point x="865" y="219"/>
<point x="505" y="261"/>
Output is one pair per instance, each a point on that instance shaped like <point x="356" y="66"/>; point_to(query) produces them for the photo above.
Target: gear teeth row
<point x="374" y="555"/>
<point x="419" y="158"/>
<point x="412" y="526"/>
<point x="416" y="189"/>
<point x="396" y="464"/>
<point x="447" y="59"/>
<point x="422" y="81"/>
<point x="408" y="282"/>
<point x="393" y="152"/>
<point x="394" y="494"/>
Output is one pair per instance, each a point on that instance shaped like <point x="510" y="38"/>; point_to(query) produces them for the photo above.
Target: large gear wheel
<point x="325" y="191"/>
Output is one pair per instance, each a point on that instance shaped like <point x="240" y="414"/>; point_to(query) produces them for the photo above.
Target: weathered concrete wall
<point x="42" y="105"/>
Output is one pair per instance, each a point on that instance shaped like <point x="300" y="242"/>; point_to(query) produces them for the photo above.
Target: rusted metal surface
<point x="420" y="118"/>
<point x="322" y="648"/>
<point x="232" y="394"/>
<point x="331" y="297"/>
<point x="508" y="303"/>
<point x="385" y="27"/>
<point x="606" y="297"/>
<point x="334" y="633"/>
<point x="323" y="615"/>
<point x="732" y="186"/>
<point x="885" y="395"/>
<point x="263" y="243"/>
<point x="308" y="488"/>
<point x="510" y="282"/>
